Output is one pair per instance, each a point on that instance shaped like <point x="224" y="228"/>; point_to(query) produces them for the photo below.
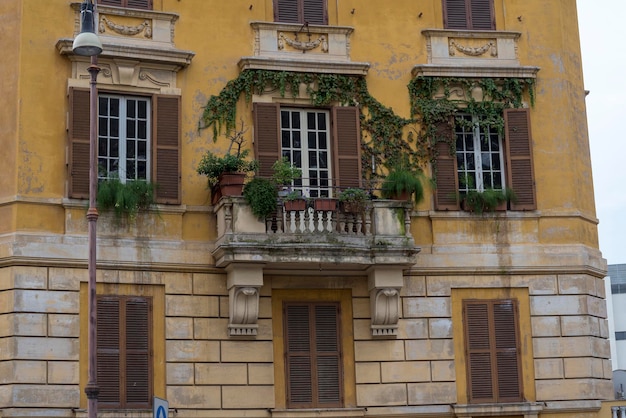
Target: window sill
<point x="318" y="413"/>
<point x="118" y="413"/>
<point x="527" y="409"/>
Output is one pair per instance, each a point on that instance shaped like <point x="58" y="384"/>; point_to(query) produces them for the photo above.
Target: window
<point x="324" y="143"/>
<point x="123" y="138"/>
<point x="133" y="4"/>
<point x="620" y="335"/>
<point x="479" y="155"/>
<point x="313" y="355"/>
<point x="483" y="159"/>
<point x="468" y="14"/>
<point x="124" y="352"/>
<point x="313" y="12"/>
<point x="139" y="138"/>
<point x="492" y="350"/>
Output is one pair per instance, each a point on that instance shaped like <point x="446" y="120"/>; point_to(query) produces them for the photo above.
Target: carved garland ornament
<point x="473" y="52"/>
<point x="126" y="30"/>
<point x="301" y="45"/>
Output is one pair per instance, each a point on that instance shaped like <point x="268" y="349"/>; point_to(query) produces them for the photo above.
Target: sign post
<point x="160" y="408"/>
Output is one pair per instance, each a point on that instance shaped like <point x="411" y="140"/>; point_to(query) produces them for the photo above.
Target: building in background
<point x="459" y="304"/>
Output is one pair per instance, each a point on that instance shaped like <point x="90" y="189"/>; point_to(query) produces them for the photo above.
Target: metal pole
<point x="91" y="390"/>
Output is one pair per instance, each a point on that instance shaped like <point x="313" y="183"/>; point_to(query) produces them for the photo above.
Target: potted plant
<point x="353" y="200"/>
<point x="325" y="204"/>
<point x="262" y="197"/>
<point x="226" y="174"/>
<point x="401" y="183"/>
<point x="294" y="201"/>
<point x="488" y="200"/>
<point x="284" y="174"/>
<point x="125" y="199"/>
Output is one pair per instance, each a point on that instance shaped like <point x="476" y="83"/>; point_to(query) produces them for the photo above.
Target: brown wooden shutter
<point x="492" y="351"/>
<point x="482" y="16"/>
<point x="315" y="12"/>
<point x="286" y="11"/>
<point x="313" y="357"/>
<point x="108" y="351"/>
<point x="138" y="384"/>
<point x="468" y="14"/>
<point x="166" y="148"/>
<point x="446" y="176"/>
<point x="266" y="136"/>
<point x="518" y="145"/>
<point x="78" y="158"/>
<point x="135" y="4"/>
<point x="346" y="147"/>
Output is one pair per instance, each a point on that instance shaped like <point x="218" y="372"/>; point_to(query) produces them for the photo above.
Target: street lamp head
<point x="87" y="42"/>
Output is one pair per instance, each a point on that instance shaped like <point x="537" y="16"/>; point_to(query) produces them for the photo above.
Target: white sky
<point x="602" y="40"/>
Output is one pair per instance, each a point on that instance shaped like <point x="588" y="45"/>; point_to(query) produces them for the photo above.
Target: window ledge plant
<point x="125" y="199"/>
<point x="489" y="200"/>
<point x="402" y="182"/>
<point x="353" y="200"/>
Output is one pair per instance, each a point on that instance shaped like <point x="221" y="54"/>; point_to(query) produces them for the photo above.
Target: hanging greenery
<point x="386" y="137"/>
<point x="437" y="100"/>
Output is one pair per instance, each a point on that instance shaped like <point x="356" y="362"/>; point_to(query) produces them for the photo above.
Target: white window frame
<point x="462" y="171"/>
<point x="304" y="184"/>
<point x="104" y="173"/>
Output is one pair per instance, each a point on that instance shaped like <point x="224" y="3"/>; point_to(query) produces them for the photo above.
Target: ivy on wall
<point x="385" y="138"/>
<point x="436" y="100"/>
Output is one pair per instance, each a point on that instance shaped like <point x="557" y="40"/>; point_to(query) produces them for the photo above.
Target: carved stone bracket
<point x="472" y="52"/>
<point x="384" y="285"/>
<point x="244" y="285"/>
<point x="302" y="45"/>
<point x="145" y="27"/>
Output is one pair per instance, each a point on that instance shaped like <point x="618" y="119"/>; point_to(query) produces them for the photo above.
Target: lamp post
<point x="87" y="43"/>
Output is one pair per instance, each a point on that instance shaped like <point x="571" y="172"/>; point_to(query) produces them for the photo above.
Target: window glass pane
<point x="310" y="120"/>
<point x="130" y="108"/>
<point x="322" y="140"/>
<point x="130" y="149"/>
<point x="313" y="159"/>
<point x="130" y="169"/>
<point x="323" y="159"/>
<point x="103" y="147"/>
<point x="312" y="140"/>
<point x="130" y="129"/>
<point x="142" y="129"/>
<point x="284" y="119"/>
<point x="296" y="140"/>
<point x="103" y="106"/>
<point x="142" y="170"/>
<point x="143" y="109"/>
<point x="114" y="128"/>
<point x="295" y="120"/>
<point x="102" y="126"/>
<point x="285" y="139"/>
<point x="321" y="121"/>
<point x="114" y="107"/>
<point x="141" y="150"/>
<point x="114" y="148"/>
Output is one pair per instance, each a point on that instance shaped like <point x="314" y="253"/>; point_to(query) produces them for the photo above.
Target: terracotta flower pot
<point x="325" y="204"/>
<point x="231" y="184"/>
<point x="297" y="204"/>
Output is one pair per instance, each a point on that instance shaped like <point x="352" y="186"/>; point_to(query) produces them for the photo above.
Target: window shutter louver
<point x="446" y="177"/>
<point x="313" y="356"/>
<point x="482" y="15"/>
<point x="492" y="351"/>
<point x="286" y="11"/>
<point x="138" y="378"/>
<point x="166" y="149"/>
<point x="78" y="158"/>
<point x="455" y="14"/>
<point x="518" y="147"/>
<point x="108" y="351"/>
<point x="347" y="147"/>
<point x="315" y="12"/>
<point x="266" y="136"/>
<point x="134" y="4"/>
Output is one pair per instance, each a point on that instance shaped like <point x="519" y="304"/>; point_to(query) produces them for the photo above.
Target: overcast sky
<point x="603" y="43"/>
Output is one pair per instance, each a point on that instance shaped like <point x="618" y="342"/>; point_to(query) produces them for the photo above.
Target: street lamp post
<point x="87" y="43"/>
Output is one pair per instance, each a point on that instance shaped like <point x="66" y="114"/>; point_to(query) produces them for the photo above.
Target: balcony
<point x="315" y="239"/>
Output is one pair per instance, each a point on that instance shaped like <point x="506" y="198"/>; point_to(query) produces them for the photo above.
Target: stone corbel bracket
<point x="384" y="284"/>
<point x="244" y="283"/>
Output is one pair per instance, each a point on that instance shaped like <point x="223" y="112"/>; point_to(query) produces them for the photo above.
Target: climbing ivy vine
<point x="386" y="137"/>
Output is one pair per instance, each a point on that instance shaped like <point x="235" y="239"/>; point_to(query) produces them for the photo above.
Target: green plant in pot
<point x="353" y="200"/>
<point x="285" y="172"/>
<point x="294" y="200"/>
<point x="125" y="199"/>
<point x="262" y="196"/>
<point x="401" y="183"/>
<point x="488" y="200"/>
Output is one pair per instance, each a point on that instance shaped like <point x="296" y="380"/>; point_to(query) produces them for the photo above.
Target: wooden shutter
<point x="138" y="376"/>
<point x="315" y="12"/>
<point x="134" y="4"/>
<point x="313" y="357"/>
<point x="518" y="146"/>
<point x="446" y="176"/>
<point x="166" y="148"/>
<point x="468" y="14"/>
<point x="492" y="351"/>
<point x="108" y="351"/>
<point x="78" y="158"/>
<point x="266" y="136"/>
<point x="124" y="351"/>
<point x="346" y="146"/>
<point x="482" y="16"/>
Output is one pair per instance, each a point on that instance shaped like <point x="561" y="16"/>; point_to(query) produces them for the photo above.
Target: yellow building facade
<point x="440" y="308"/>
